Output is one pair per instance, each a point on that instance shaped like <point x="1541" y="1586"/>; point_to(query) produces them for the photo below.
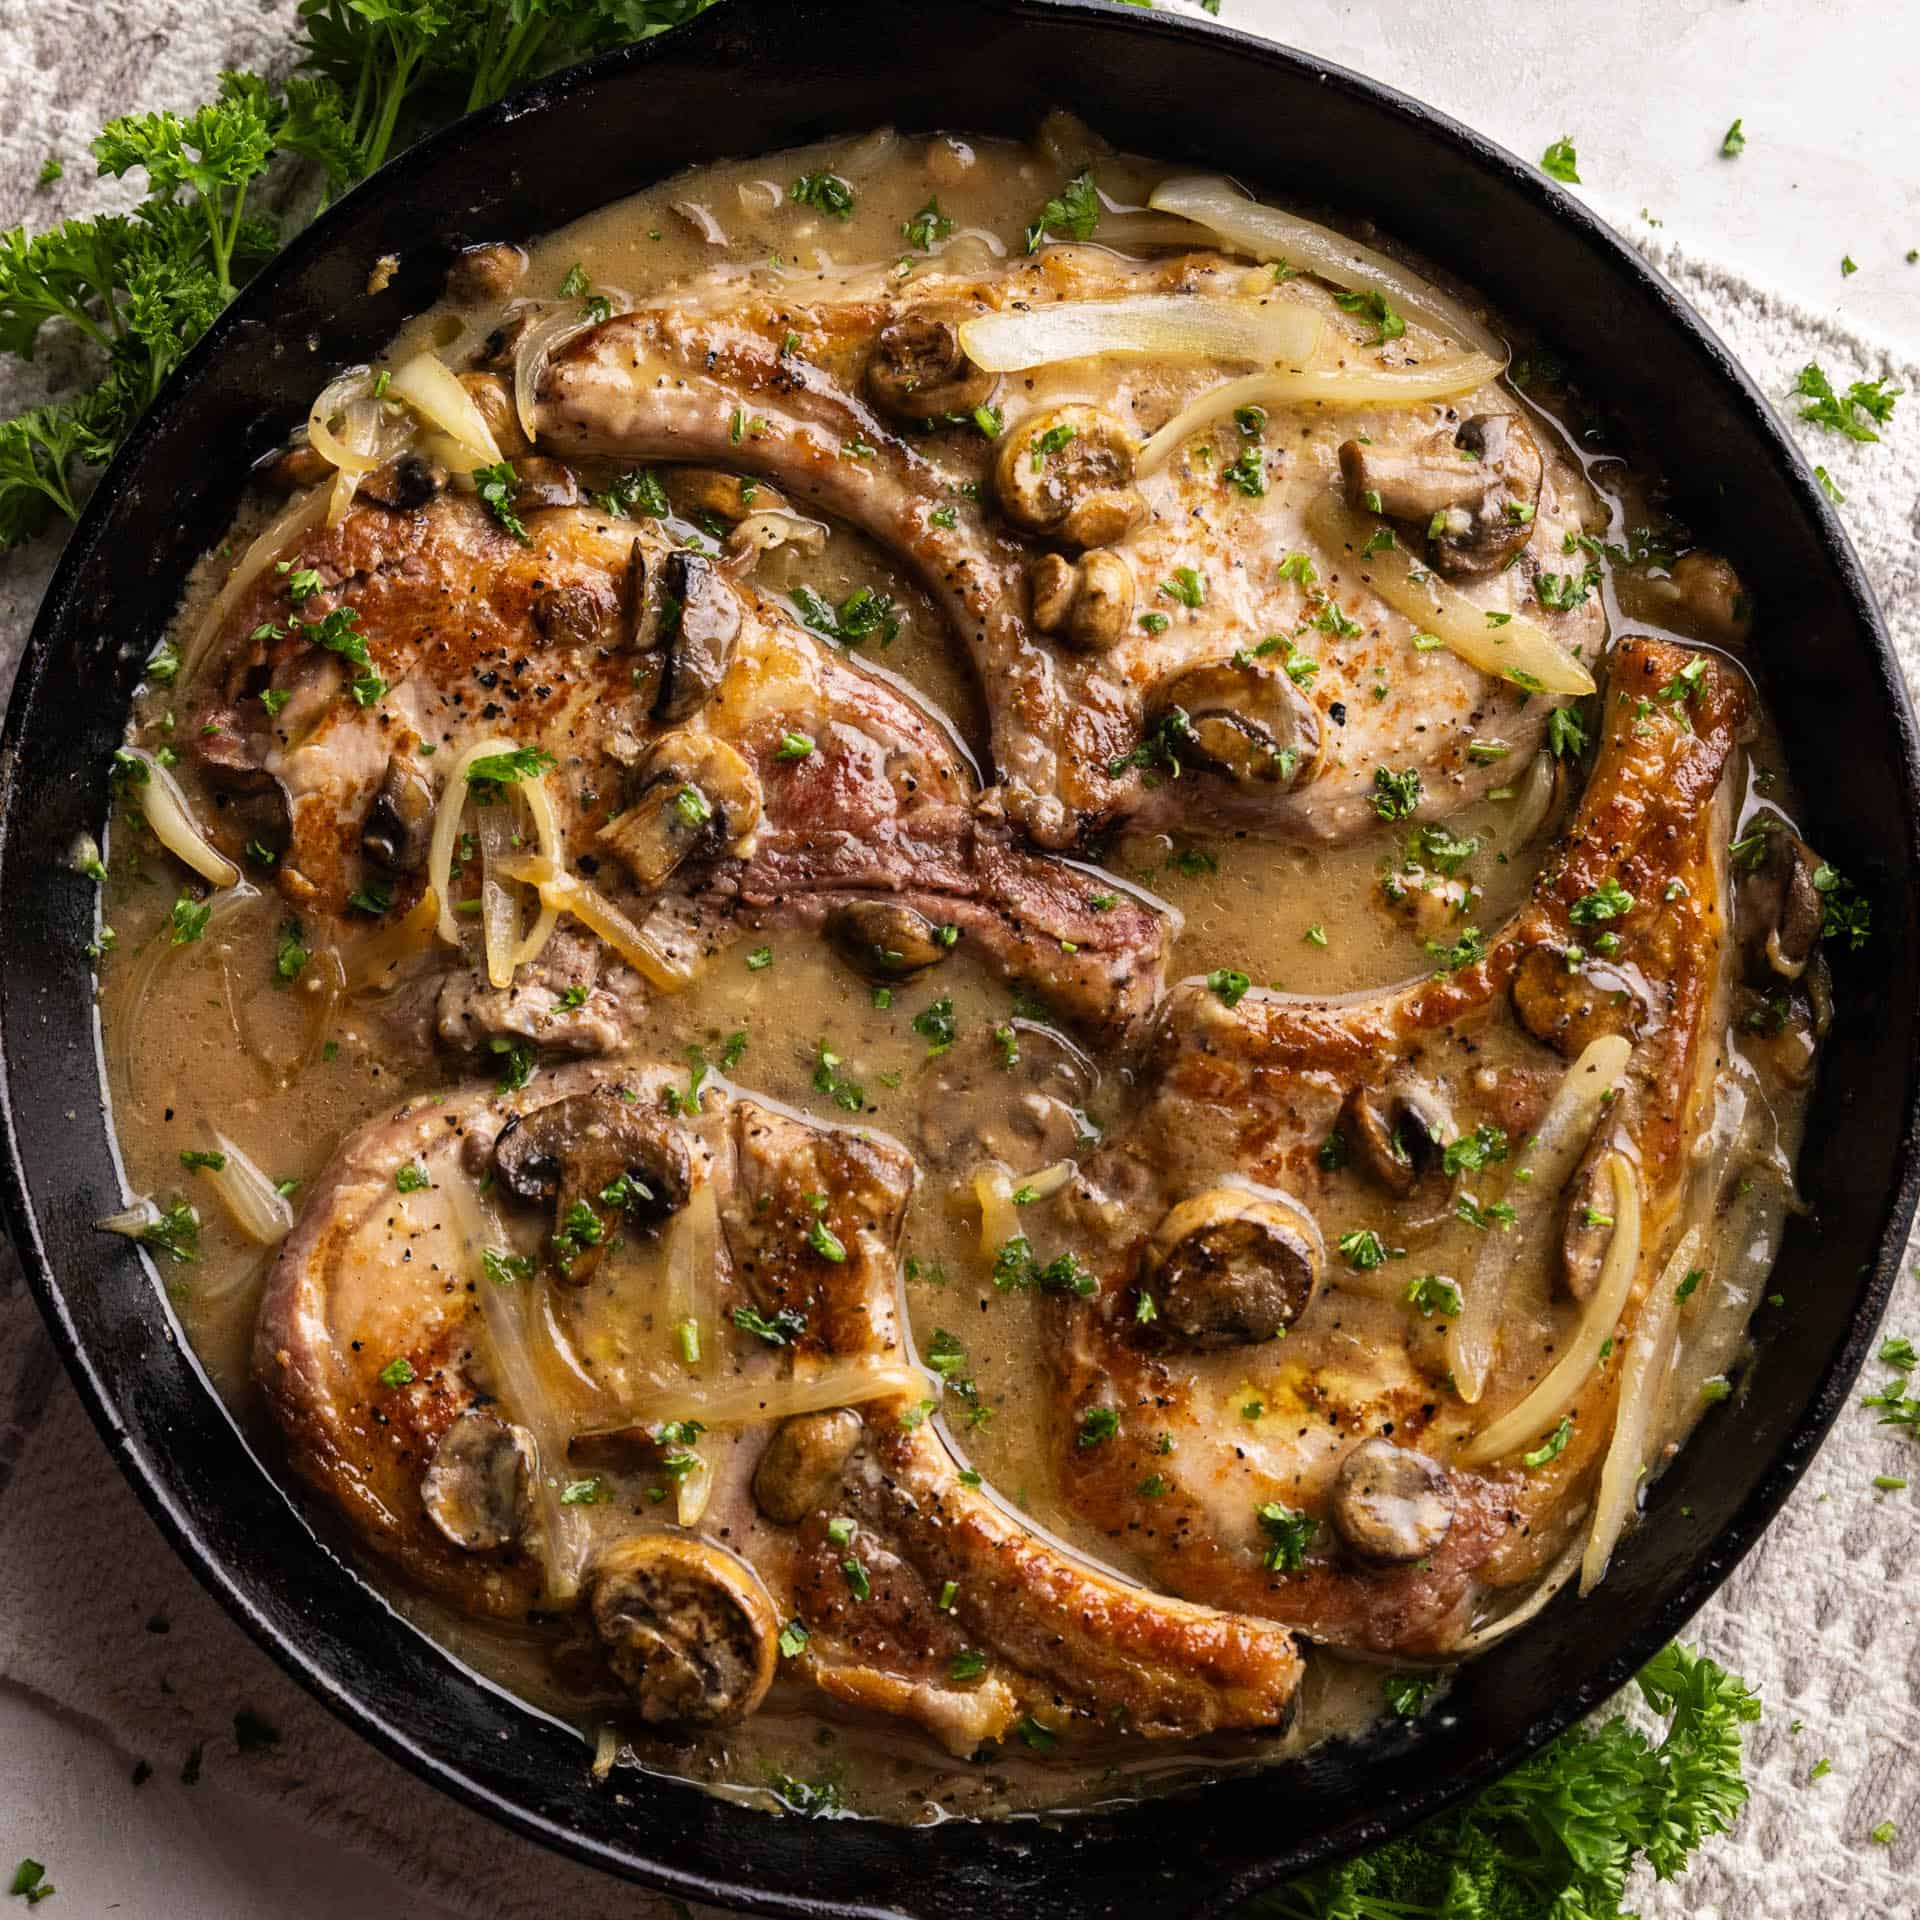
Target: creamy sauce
<point x="207" y="1036"/>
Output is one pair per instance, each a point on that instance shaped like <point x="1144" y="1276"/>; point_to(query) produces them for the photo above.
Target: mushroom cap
<point x="1391" y="1505"/>
<point x="487" y="272"/>
<point x="1780" y="908"/>
<point x="697" y="636"/>
<point x="399" y="824"/>
<point x="1246" y="723"/>
<point x="1474" y="490"/>
<point x="696" y="795"/>
<point x="1090" y="603"/>
<point x="1066" y="473"/>
<point x="919" y="370"/>
<point x="885" y="939"/>
<point x="724" y="496"/>
<point x="478" y="1490"/>
<point x="404" y="484"/>
<point x="687" y="1629"/>
<point x="1394" y="1132"/>
<point x="492" y="393"/>
<point x="578" y="1151"/>
<point x="577" y="615"/>
<point x="802" y="1464"/>
<point x="1230" y="1268"/>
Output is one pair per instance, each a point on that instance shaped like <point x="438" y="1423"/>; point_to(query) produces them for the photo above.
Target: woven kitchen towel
<point x="1821" y="1617"/>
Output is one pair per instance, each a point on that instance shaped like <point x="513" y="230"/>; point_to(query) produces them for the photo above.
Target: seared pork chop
<point x="1275" y="1442"/>
<point x="1100" y="611"/>
<point x="484" y="1383"/>
<point x="705" y="748"/>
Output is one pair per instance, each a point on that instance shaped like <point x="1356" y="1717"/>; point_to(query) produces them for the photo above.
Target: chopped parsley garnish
<point x="492" y="773"/>
<point x="188" y="919"/>
<point x="785" y="1326"/>
<point x="1474" y="1150"/>
<point x="1566" y="738"/>
<point x="1553" y="1446"/>
<point x="1432" y="1293"/>
<point x="1248" y="473"/>
<point x="926" y="226"/>
<point x="1073" y="213"/>
<point x="825" y="192"/>
<point x="1608" y="901"/>
<point x="1372" y="305"/>
<point x="794" y="746"/>
<point x="504" y="1268"/>
<point x="1561" y="162"/>
<point x="793" y="1640"/>
<point x="495" y="486"/>
<point x="398" y="1372"/>
<point x="1289" y="1534"/>
<point x="1865" y="404"/>
<point x="861" y="615"/>
<point x="1396" y="796"/>
<point x="1733" y="143"/>
<point x="936" y="1025"/>
<point x="1494" y="1213"/>
<point x="1097" y="1424"/>
<point x="637" y="491"/>
<point x="1364" y="1250"/>
<point x="1407" y="1693"/>
<point x="1186" y="585"/>
<point x="1016" y="1270"/>
<point x="516" y="1062"/>
<point x="291" y="956"/>
<point x="830" y="1078"/>
<point x="759" y="959"/>
<point x="1229" y="985"/>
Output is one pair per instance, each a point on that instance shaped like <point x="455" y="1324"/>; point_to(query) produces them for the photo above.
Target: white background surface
<point x="1646" y="89"/>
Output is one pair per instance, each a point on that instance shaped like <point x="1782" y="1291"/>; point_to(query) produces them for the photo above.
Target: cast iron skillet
<point x="759" y="74"/>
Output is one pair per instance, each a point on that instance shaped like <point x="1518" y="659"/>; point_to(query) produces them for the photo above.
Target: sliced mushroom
<point x="884" y="939"/>
<point x="730" y="497"/>
<point x="294" y="467"/>
<point x="539" y="482"/>
<point x="493" y="395"/>
<point x="1090" y="602"/>
<point x="699" y="625"/>
<point x="1231" y="1269"/>
<point x="1566" y="999"/>
<point x="1780" y="909"/>
<point x="399" y="823"/>
<point x="1249" y="724"/>
<point x="1390" y="1504"/>
<point x="919" y="370"/>
<point x="803" y="1463"/>
<point x="577" y="615"/>
<point x="1586" y="1227"/>
<point x="687" y="1629"/>
<point x="1705" y="597"/>
<point x="485" y="273"/>
<point x="597" y="1160"/>
<point x="1395" y="1134"/>
<point x="1066" y="473"/>
<point x="404" y="485"/>
<point x="479" y="1489"/>
<point x="696" y="795"/>
<point x="1474" y="490"/>
<point x="1020" y="1100"/>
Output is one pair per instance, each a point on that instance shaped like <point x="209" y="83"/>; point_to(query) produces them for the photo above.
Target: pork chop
<point x="1199" y="566"/>
<point x="497" y="1389"/>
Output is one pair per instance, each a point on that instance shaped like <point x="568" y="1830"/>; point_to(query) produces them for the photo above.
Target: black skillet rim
<point x="1032" y="1857"/>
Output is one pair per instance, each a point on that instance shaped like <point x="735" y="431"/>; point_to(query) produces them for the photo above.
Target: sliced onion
<point x="499" y="911"/>
<point x="1643" y="1377"/>
<point x="260" y="1210"/>
<point x="1551" y="1582"/>
<point x="691" y="1295"/>
<point x="843" y="1383"/>
<point x="1129" y="227"/>
<point x="760" y="533"/>
<point x="448" y="812"/>
<point x="362" y="430"/>
<point x="1321" y="387"/>
<point x="506" y="1311"/>
<point x="546" y="837"/>
<point x="347" y="398"/>
<point x="606" y="1749"/>
<point x="1573" y="1372"/>
<point x="1549" y="1158"/>
<point x="293" y="522"/>
<point x="430" y="388"/>
<point x="533" y="350"/>
<point x="1045" y="1182"/>
<point x="1518" y="650"/>
<point x="999" y="1222"/>
<point x="693" y="1492"/>
<point x="1164" y="325"/>
<point x="1269" y="234"/>
<point x="587" y="904"/>
<point x="171" y="818"/>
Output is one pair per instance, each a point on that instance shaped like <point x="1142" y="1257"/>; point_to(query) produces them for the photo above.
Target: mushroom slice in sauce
<point x="1474" y="489"/>
<point x="885" y="939"/>
<point x="399" y="824"/>
<point x="686" y="1627"/>
<point x="803" y="1462"/>
<point x="597" y="1159"/>
<point x="1066" y="473"/>
<point x="1391" y="1505"/>
<point x="1229" y="1268"/>
<point x="1089" y="601"/>
<point x="919" y="371"/>
<point x="478" y="1491"/>
<point x="1250" y="724"/>
<point x="700" y="624"/>
<point x="697" y="795"/>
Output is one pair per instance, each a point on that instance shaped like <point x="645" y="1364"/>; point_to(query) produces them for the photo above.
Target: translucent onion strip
<point x="999" y="1222"/>
<point x="1164" y="325"/>
<point x="1516" y="650"/>
<point x="374" y="960"/>
<point x="598" y="914"/>
<point x="691" y="1296"/>
<point x="1643" y="1377"/>
<point x="260" y="1210"/>
<point x="499" y="910"/>
<point x="535" y="347"/>
<point x="171" y="818"/>
<point x="546" y="838"/>
<point x="1267" y="233"/>
<point x="293" y="523"/>
<point x="448" y="811"/>
<point x="361" y="432"/>
<point x="1321" y="387"/>
<point x="343" y="398"/>
<point x="1537" y="1601"/>
<point x="431" y="389"/>
<point x="1549" y="1158"/>
<point x="506" y="1310"/>
<point x="848" y="1383"/>
<point x="693" y="1492"/>
<point x="1574" y="1371"/>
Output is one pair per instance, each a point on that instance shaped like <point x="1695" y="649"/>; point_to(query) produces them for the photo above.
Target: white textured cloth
<point x="1821" y="1618"/>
